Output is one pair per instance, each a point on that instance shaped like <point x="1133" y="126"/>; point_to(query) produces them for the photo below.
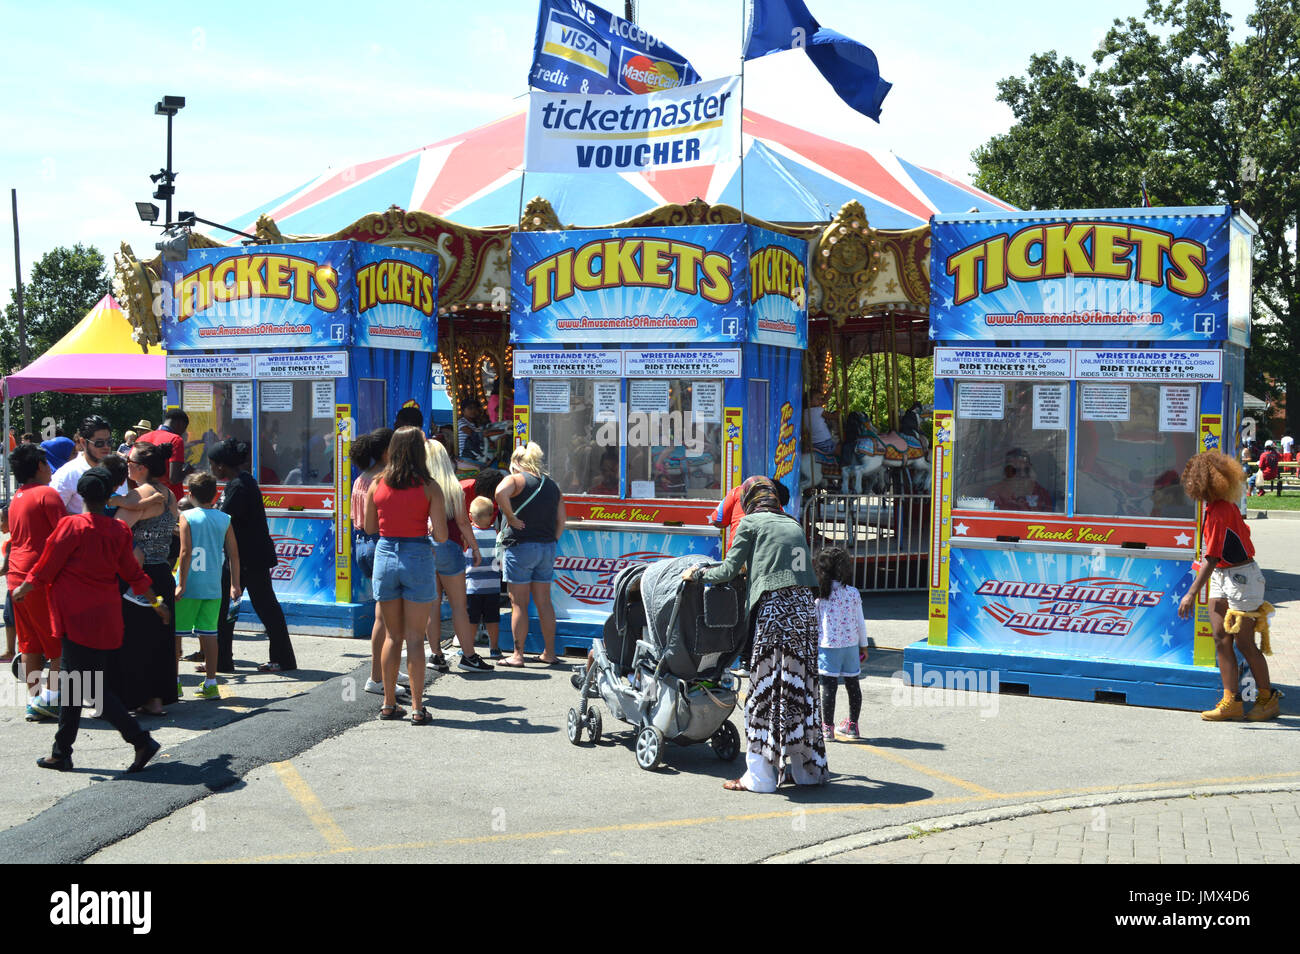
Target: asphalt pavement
<point x="303" y="771"/>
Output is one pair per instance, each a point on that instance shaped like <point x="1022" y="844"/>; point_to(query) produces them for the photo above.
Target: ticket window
<point x="576" y="423"/>
<point x="1133" y="440"/>
<point x="674" y="439"/>
<point x="217" y="410"/>
<point x="296" y="432"/>
<point x="1010" y="445"/>
<point x="372" y="405"/>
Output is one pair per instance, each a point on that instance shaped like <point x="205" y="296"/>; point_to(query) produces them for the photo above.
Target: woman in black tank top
<point x="533" y="509"/>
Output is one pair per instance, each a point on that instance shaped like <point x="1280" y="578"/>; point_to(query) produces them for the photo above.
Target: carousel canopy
<point x="96" y="357"/>
<point x="790" y="175"/>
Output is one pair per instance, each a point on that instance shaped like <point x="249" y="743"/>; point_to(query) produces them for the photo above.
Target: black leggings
<point x="852" y="686"/>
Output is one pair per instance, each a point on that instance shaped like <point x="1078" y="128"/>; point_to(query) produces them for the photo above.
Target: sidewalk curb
<point x="1273" y="514"/>
<point x="880" y="836"/>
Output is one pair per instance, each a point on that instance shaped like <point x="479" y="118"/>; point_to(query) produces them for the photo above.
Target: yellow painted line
<point x="313" y="806"/>
<point x="933" y="773"/>
<point x="785" y="813"/>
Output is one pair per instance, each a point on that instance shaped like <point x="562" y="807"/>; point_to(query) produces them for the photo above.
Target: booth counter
<point x="295" y="349"/>
<point x="1082" y="358"/>
<point x="656" y="367"/>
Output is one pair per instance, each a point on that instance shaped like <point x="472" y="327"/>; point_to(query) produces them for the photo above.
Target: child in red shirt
<point x="83" y="558"/>
<point x="1236" y="583"/>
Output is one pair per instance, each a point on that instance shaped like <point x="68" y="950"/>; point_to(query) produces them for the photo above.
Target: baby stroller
<point x="663" y="663"/>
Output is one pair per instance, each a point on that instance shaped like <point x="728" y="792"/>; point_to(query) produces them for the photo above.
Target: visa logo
<point x="580" y="41"/>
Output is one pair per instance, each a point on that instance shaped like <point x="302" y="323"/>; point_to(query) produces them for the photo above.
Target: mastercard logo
<point x="644" y="75"/>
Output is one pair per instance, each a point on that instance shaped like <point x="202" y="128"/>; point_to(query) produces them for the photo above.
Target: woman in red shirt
<point x="1236" y="583"/>
<point x="401" y="505"/>
<point x="83" y="558"/>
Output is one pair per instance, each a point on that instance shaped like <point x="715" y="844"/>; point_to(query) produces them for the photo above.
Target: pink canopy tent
<point x="97" y="356"/>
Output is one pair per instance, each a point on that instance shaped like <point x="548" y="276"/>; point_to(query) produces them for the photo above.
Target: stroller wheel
<point x="574" y="727"/>
<point x="594" y="725"/>
<point x="649" y="748"/>
<point x="726" y="742"/>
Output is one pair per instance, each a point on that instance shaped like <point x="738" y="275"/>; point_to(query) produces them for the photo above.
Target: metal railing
<point x="887" y="535"/>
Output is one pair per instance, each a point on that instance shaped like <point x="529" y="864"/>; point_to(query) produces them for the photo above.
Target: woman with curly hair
<point x="1236" y="583"/>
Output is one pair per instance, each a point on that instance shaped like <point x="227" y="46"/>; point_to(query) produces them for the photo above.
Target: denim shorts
<point x="450" y="558"/>
<point x="404" y="569"/>
<point x="363" y="545"/>
<point x="530" y="563"/>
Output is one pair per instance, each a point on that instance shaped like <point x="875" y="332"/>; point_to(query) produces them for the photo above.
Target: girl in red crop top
<point x="1236" y="583"/>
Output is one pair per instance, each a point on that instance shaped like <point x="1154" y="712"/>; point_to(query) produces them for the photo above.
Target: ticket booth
<point x="295" y="349"/>
<point x="657" y="368"/>
<point x="1082" y="357"/>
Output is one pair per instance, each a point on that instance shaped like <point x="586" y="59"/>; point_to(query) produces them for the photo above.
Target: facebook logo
<point x="336" y="332"/>
<point x="1204" y="323"/>
<point x="730" y="326"/>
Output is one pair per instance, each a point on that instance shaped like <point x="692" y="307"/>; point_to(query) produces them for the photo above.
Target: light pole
<point x="168" y="106"/>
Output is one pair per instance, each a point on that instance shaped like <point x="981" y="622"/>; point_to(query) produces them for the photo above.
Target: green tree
<point x="1174" y="102"/>
<point x="64" y="285"/>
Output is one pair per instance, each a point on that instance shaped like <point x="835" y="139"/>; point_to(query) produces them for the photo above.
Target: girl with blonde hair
<point x="449" y="558"/>
<point x="533" y="508"/>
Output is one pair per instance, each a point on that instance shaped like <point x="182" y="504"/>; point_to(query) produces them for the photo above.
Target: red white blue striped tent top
<point x="791" y="175"/>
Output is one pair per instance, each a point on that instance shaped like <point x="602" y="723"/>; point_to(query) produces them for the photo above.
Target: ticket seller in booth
<point x="294" y="349"/>
<point x="655" y="367"/>
<point x="1082" y="358"/>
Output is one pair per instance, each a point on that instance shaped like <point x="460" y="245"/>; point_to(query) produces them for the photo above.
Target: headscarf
<point x="758" y="495"/>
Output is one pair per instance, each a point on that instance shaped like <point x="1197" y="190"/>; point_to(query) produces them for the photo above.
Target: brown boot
<point x="1265" y="707"/>
<point x="1228" y="710"/>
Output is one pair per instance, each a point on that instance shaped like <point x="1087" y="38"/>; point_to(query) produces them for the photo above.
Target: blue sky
<point x="278" y="93"/>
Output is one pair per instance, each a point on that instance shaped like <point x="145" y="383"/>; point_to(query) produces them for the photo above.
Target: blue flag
<point x="581" y="48"/>
<point x="850" y="67"/>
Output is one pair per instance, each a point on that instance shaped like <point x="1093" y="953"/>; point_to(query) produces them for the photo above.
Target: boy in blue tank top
<point x="205" y="533"/>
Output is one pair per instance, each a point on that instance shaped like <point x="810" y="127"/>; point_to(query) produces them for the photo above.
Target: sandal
<point x="393" y="712"/>
<point x="734" y="785"/>
<point x="195" y="657"/>
<point x="269" y="667"/>
<point x="421" y="716"/>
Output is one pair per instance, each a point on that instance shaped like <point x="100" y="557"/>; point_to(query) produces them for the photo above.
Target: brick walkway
<point x="1246" y="828"/>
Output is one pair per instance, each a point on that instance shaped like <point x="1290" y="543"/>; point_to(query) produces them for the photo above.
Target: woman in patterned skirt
<point x="782" y="713"/>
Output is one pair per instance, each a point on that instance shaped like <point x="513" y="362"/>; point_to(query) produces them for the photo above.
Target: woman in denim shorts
<point x="533" y="508"/>
<point x="369" y="456"/>
<point x="401" y="506"/>
<point x="450" y="559"/>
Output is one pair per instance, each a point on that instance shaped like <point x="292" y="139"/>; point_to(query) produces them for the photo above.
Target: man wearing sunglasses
<point x="95" y="440"/>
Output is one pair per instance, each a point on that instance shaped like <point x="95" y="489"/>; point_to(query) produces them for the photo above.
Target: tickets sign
<point x="301" y="295"/>
<point x="314" y="364"/>
<point x="568" y="364"/>
<point x="1136" y="274"/>
<point x="653" y="285"/>
<point x="209" y="367"/>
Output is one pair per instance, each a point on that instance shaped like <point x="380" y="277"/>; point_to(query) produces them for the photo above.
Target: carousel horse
<point x="817" y="469"/>
<point x="863" y="455"/>
<point x="904" y="451"/>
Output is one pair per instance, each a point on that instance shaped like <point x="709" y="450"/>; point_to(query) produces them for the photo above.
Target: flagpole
<point x="740" y="152"/>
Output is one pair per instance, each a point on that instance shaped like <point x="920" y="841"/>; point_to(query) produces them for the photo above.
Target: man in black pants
<point x="257" y="557"/>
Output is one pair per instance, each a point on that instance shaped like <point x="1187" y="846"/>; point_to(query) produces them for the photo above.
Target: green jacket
<point x="774" y="549"/>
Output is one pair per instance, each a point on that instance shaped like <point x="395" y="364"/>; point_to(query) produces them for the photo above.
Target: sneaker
<point x="1265" y="708"/>
<point x="439" y="663"/>
<point x="848" y="729"/>
<point x="828" y="732"/>
<point x="403" y="694"/>
<point x="1228" y="710"/>
<point x="403" y="679"/>
<point x="475" y="663"/>
<point x="36" y="712"/>
<point x="208" y="692"/>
